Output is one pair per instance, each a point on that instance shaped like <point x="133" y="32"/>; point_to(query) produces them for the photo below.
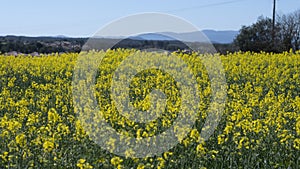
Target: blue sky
<point x="83" y="18"/>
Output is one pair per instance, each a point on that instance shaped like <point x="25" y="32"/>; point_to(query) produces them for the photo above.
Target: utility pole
<point x="273" y="21"/>
<point x="274" y="13"/>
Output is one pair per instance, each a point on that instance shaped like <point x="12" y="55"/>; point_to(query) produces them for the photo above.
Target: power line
<point x="205" y="6"/>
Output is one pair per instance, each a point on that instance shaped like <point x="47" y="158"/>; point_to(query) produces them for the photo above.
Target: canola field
<point x="41" y="128"/>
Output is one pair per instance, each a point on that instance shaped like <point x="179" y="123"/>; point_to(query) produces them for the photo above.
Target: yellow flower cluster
<point x="40" y="127"/>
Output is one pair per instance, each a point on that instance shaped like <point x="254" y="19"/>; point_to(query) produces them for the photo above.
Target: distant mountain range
<point x="221" y="37"/>
<point x="169" y="40"/>
<point x="216" y="37"/>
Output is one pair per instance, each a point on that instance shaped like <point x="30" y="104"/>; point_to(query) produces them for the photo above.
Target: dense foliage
<point x="267" y="35"/>
<point x="260" y="127"/>
<point x="14" y="45"/>
<point x="29" y="45"/>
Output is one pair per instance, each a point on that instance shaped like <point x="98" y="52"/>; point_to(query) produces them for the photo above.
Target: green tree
<point x="290" y="30"/>
<point x="258" y="37"/>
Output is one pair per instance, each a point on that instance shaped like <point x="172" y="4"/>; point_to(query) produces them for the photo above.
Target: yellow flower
<point x="116" y="161"/>
<point x="48" y="146"/>
<point x="221" y="139"/>
<point x="161" y="163"/>
<point x="139" y="133"/>
<point x="141" y="166"/>
<point x="62" y="128"/>
<point x="297" y="144"/>
<point x="81" y="161"/>
<point x="228" y="129"/>
<point x="167" y="154"/>
<point x="53" y="116"/>
<point x="36" y="109"/>
<point x="298" y="125"/>
<point x="129" y="153"/>
<point x="4" y="156"/>
<point x="200" y="149"/>
<point x="21" y="139"/>
<point x="194" y="134"/>
<point x="82" y="164"/>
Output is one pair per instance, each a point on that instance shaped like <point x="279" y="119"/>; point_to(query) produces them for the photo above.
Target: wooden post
<point x="273" y="24"/>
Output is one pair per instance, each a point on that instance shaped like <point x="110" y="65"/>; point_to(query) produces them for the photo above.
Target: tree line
<point x="264" y="36"/>
<point x="27" y="45"/>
